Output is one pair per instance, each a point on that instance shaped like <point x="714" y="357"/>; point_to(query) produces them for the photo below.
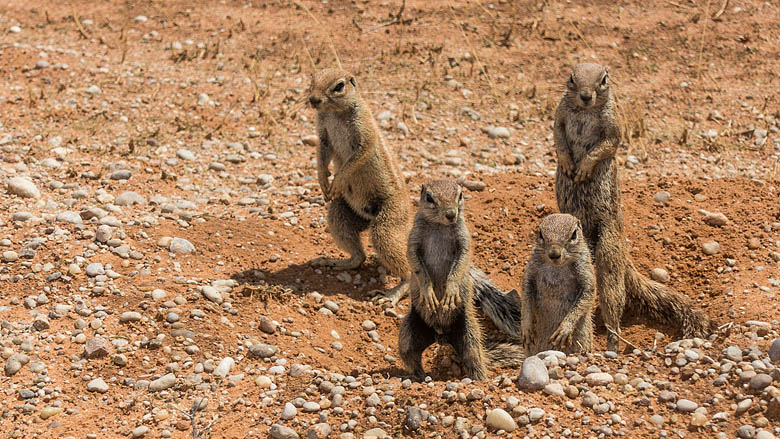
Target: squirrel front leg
<point x="582" y="306"/>
<point x="459" y="271"/>
<point x="528" y="303"/>
<point x="362" y="152"/>
<point x="562" y="150"/>
<point x="323" y="162"/>
<point x="423" y="279"/>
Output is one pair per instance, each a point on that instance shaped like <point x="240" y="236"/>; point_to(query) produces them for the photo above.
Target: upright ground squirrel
<point x="442" y="289"/>
<point x="559" y="289"/>
<point x="587" y="135"/>
<point x="367" y="190"/>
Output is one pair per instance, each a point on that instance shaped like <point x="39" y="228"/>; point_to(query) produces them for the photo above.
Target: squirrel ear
<point x="422" y="191"/>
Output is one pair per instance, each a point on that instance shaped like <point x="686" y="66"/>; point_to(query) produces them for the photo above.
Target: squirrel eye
<point x="571" y="79"/>
<point x="604" y="80"/>
<point x="540" y="237"/>
<point x="339" y="87"/>
<point x="574" y="235"/>
<point x="460" y="196"/>
<point x="429" y="198"/>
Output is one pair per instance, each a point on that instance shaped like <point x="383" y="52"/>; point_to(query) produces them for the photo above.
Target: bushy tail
<point x="504" y="354"/>
<point x="502" y="309"/>
<point x="665" y="305"/>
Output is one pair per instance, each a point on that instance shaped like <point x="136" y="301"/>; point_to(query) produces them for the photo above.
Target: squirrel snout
<point x="554" y="254"/>
<point x="585" y="96"/>
<point x="314" y="101"/>
<point x="450" y="214"/>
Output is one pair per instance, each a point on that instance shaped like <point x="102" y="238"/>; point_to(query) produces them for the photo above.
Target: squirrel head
<point x="333" y="90"/>
<point x="560" y="239"/>
<point x="588" y="86"/>
<point x="441" y="201"/>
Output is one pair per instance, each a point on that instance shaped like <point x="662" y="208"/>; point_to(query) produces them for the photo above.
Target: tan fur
<point x="442" y="287"/>
<point x="587" y="136"/>
<point x="367" y="189"/>
<point x="559" y="287"/>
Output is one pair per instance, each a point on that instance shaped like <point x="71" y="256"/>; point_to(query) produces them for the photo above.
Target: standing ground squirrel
<point x="442" y="290"/>
<point x="367" y="190"/>
<point x="559" y="288"/>
<point x="587" y="136"/>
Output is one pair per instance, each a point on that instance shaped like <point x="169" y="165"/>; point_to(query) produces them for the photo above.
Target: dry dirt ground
<point x="138" y="121"/>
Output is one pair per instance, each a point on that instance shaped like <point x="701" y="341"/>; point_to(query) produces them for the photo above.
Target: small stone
<point x="774" y="351"/>
<point x="533" y="375"/>
<point x="95" y="269"/>
<point x="661" y="197"/>
<point x="535" y="414"/>
<point x="23" y="187"/>
<point x="555" y="389"/>
<point x="599" y="379"/>
<point x="185" y="154"/>
<point x="375" y="433"/>
<point x="698" y="420"/>
<point x="289" y="411"/>
<point x="754" y="243"/>
<point x="224" y="367"/>
<point x="96" y="347"/>
<point x="760" y="381"/>
<point x="263" y="382"/>
<point x="122" y="174"/>
<point x="49" y="412"/>
<point x="413" y="418"/>
<point x="659" y="275"/>
<point x="97" y="385"/>
<point x="212" y="294"/>
<point x="746" y="432"/>
<point x="93" y="90"/>
<point x="764" y="434"/>
<point x="181" y="245"/>
<point x="267" y="325"/>
<point x="262" y="350"/>
<point x="69" y="217"/>
<point x="686" y="406"/>
<point x="368" y="325"/>
<point x="710" y="248"/>
<point x="279" y="431"/>
<point x="15" y="363"/>
<point x="140" y="431"/>
<point x="499" y="419"/>
<point x="164" y="382"/>
<point x="734" y="353"/>
<point x="497" y="132"/>
<point x="129" y="198"/>
<point x="10" y="256"/>
<point x="130" y="316"/>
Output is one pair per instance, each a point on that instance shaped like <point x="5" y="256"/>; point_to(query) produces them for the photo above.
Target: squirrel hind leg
<point x="389" y="235"/>
<point x="393" y="295"/>
<point x="344" y="225"/>
<point x="465" y="336"/>
<point x="414" y="337"/>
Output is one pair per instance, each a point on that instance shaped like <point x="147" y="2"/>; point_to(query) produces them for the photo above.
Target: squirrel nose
<point x="554" y="254"/>
<point x="314" y="101"/>
<point x="450" y="214"/>
<point x="586" y="97"/>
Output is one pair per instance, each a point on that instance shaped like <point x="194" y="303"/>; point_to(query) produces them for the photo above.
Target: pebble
<point x="15" y="363"/>
<point x="23" y="187"/>
<point x="164" y="382"/>
<point x="289" y="411"/>
<point x="181" y="246"/>
<point x="130" y="316"/>
<point x="774" y="351"/>
<point x="760" y="381"/>
<point x="94" y="90"/>
<point x="710" y="248"/>
<point x="129" y="198"/>
<point x="499" y="419"/>
<point x="95" y="269"/>
<point x="413" y="418"/>
<point x="659" y="275"/>
<point x="599" y="379"/>
<point x="49" y="412"/>
<point x="10" y="256"/>
<point x="69" y="217"/>
<point x="262" y="350"/>
<point x="533" y="375"/>
<point x="96" y="347"/>
<point x="661" y="197"/>
<point x="375" y="433"/>
<point x="185" y="154"/>
<point x="746" y="432"/>
<point x="212" y="294"/>
<point x="686" y="406"/>
<point x="140" y="431"/>
<point x="279" y="431"/>
<point x="698" y="419"/>
<point x="122" y="174"/>
<point x="224" y="367"/>
<point x="497" y="132"/>
<point x="97" y="385"/>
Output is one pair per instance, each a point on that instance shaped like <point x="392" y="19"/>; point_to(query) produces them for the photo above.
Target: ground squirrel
<point x="559" y="287"/>
<point x="367" y="190"/>
<point x="587" y="135"/>
<point x="442" y="290"/>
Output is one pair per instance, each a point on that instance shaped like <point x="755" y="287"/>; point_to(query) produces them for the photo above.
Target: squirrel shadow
<point x="303" y="278"/>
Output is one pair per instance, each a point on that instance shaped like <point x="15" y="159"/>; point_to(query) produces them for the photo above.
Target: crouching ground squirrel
<point x="559" y="287"/>
<point x="442" y="290"/>
<point x="367" y="189"/>
<point x="587" y="135"/>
